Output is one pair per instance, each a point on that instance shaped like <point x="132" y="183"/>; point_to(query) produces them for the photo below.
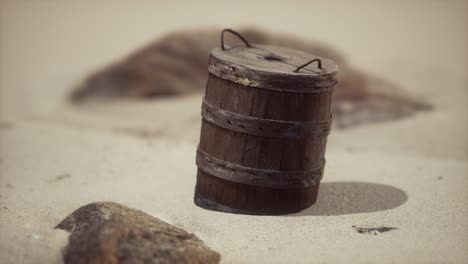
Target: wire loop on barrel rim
<point x="319" y="64"/>
<point x="247" y="44"/>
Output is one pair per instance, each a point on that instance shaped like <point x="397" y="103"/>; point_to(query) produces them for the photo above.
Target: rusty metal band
<point x="264" y="127"/>
<point x="258" y="177"/>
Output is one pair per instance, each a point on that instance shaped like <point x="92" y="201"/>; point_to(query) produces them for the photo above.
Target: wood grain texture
<point x="261" y="153"/>
<point x="273" y="68"/>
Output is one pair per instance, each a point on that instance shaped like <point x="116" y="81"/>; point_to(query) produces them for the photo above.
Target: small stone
<point x="373" y="230"/>
<point x="106" y="232"/>
<point x="61" y="177"/>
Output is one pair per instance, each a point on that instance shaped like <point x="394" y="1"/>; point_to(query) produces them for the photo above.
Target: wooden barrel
<point x="266" y="118"/>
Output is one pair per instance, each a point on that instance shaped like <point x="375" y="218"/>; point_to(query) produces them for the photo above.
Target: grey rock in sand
<point x="373" y="230"/>
<point x="106" y="232"/>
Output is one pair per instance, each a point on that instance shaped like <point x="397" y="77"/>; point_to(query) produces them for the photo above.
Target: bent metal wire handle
<point x="319" y="64"/>
<point x="236" y="34"/>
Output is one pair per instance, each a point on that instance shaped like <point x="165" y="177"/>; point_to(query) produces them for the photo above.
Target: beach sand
<point x="410" y="174"/>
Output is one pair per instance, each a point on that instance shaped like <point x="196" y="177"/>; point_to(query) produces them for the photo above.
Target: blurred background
<point x="48" y="47"/>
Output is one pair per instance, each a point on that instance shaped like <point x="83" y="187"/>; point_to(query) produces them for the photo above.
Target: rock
<point x="176" y="64"/>
<point x="106" y="232"/>
<point x="373" y="230"/>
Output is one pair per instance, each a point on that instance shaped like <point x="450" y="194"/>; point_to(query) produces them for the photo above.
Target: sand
<point x="410" y="174"/>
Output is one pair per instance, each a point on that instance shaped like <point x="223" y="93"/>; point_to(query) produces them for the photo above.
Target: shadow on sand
<point x="340" y="198"/>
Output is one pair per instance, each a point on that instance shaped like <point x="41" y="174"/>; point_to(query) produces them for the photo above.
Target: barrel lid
<point x="272" y="67"/>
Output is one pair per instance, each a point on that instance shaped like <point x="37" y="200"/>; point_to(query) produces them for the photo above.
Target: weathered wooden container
<point x="266" y="118"/>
